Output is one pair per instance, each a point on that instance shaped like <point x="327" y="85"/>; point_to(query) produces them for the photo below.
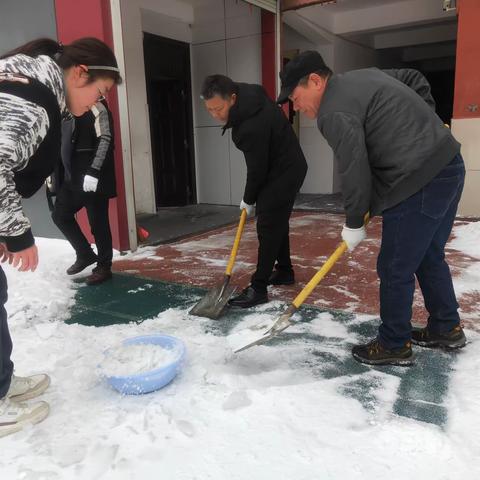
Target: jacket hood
<point x="250" y="99"/>
<point x="41" y="68"/>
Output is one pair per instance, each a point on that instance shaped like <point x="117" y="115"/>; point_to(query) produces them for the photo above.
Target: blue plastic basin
<point x="152" y="380"/>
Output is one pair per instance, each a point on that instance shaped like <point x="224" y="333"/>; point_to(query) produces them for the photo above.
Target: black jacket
<point x="386" y="137"/>
<point x="90" y="151"/>
<point x="276" y="166"/>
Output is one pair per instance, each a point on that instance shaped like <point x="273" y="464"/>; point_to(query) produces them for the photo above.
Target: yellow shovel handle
<point x="307" y="290"/>
<point x="236" y="243"/>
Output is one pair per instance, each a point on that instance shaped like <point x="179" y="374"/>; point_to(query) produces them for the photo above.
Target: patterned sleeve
<point x="102" y="129"/>
<point x="23" y="126"/>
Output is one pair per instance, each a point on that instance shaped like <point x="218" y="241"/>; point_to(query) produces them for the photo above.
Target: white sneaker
<point x="25" y="388"/>
<point x="14" y="416"/>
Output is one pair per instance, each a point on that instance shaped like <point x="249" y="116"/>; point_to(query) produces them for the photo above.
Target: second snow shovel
<point x="283" y="321"/>
<point x="213" y="303"/>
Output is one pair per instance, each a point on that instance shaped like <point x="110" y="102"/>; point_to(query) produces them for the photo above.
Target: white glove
<point x="353" y="236"/>
<point x="249" y="208"/>
<point x="90" y="183"/>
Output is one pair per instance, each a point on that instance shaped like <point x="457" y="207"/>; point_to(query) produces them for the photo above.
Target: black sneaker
<point x="81" y="263"/>
<point x="282" y="277"/>
<point x="451" y="340"/>
<point x="374" y="353"/>
<point x="248" y="298"/>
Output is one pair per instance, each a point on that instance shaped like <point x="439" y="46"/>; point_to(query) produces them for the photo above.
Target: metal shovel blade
<point x="282" y="323"/>
<point x="214" y="302"/>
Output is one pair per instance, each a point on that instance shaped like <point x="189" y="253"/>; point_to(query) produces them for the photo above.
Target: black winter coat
<point x="276" y="166"/>
<point x="91" y="151"/>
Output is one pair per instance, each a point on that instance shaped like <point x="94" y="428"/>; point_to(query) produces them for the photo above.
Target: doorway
<point x="169" y="96"/>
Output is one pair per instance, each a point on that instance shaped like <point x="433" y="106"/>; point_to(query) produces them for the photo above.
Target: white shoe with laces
<point x="14" y="416"/>
<point x="25" y="388"/>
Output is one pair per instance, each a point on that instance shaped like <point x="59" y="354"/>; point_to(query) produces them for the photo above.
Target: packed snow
<point x="261" y="414"/>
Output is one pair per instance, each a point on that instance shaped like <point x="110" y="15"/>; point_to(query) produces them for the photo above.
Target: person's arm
<point x="416" y="81"/>
<point x="345" y="135"/>
<point x="102" y="129"/>
<point x="254" y="144"/>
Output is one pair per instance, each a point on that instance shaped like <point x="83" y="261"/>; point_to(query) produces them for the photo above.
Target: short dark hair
<point x="218" y="85"/>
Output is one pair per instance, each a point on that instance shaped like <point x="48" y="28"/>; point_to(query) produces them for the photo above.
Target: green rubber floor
<point x="422" y="391"/>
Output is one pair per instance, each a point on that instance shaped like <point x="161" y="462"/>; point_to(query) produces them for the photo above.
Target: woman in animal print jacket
<point x="40" y="83"/>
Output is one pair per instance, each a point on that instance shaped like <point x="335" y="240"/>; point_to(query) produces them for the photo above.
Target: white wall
<point x="319" y="155"/>
<point x="226" y="39"/>
<point x="340" y="55"/>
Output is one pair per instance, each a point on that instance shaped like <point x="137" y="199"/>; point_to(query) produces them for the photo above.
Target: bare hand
<point x="4" y="253"/>
<point x="25" y="259"/>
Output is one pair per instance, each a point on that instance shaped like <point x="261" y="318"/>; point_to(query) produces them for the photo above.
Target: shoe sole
<point x="37" y="416"/>
<point x="399" y="362"/>
<point x="34" y="392"/>
<point x="440" y="344"/>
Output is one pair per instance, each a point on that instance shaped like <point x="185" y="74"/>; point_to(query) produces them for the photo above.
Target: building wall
<point x="226" y="39"/>
<point x="340" y="56"/>
<point x="466" y="114"/>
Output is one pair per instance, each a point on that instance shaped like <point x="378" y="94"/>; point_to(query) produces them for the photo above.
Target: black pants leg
<point x="68" y="203"/>
<point x="273" y="244"/>
<point x="97" y="212"/>
<point x="6" y="365"/>
<point x="284" y="261"/>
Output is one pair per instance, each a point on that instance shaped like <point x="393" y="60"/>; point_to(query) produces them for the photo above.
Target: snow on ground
<point x="261" y="414"/>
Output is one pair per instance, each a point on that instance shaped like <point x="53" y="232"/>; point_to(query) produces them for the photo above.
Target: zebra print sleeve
<point x="23" y="126"/>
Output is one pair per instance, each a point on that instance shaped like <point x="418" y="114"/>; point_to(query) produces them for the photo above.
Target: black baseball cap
<point x="298" y="67"/>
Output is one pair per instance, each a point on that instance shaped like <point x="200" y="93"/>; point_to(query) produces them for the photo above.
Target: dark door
<point x="167" y="69"/>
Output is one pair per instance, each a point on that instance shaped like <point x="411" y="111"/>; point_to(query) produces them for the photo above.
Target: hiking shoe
<point x="282" y="277"/>
<point x="374" y="353"/>
<point x="14" y="416"/>
<point x="248" y="298"/>
<point x="81" y="263"/>
<point x="450" y="340"/>
<point x="25" y="388"/>
<point x="99" y="275"/>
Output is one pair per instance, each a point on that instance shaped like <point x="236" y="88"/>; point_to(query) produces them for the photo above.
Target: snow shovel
<point x="283" y="321"/>
<point x="213" y="303"/>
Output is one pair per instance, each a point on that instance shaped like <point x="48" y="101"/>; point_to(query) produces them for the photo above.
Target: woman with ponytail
<point x="41" y="83"/>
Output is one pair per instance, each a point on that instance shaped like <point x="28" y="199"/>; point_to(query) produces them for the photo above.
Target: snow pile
<point x="466" y="239"/>
<point x="278" y="412"/>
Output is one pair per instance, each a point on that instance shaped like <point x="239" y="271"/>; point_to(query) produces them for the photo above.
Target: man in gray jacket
<point x="397" y="159"/>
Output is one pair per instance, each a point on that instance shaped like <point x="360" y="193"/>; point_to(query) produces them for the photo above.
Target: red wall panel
<point x="92" y="18"/>
<point x="467" y="71"/>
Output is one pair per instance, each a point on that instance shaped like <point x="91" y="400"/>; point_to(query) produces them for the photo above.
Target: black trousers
<point x="273" y="244"/>
<point x="6" y="365"/>
<point x="68" y="203"/>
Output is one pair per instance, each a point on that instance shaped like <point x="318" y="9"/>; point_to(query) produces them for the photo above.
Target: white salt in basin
<point x="143" y="364"/>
